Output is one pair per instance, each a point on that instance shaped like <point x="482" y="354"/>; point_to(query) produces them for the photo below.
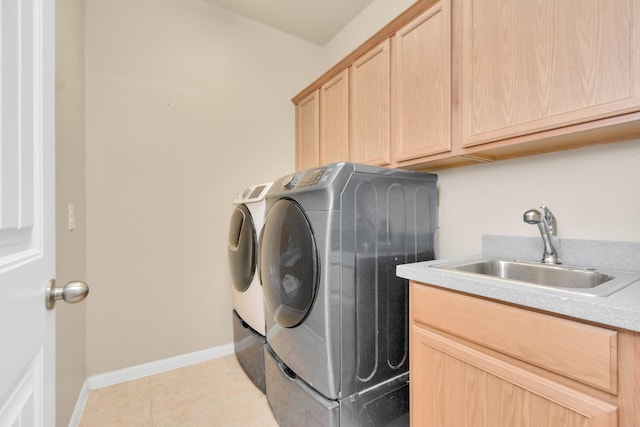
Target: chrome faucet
<point x="547" y="226"/>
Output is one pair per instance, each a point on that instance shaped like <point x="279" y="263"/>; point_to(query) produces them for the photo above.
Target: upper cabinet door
<point x="308" y="132"/>
<point x="334" y="119"/>
<point x="421" y="82"/>
<point x="370" y="102"/>
<point x="530" y="66"/>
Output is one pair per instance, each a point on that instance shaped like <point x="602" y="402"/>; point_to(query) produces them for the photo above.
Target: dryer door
<point x="288" y="263"/>
<point x="242" y="248"/>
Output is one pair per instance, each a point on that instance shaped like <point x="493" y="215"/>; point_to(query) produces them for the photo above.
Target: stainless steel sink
<point x="567" y="278"/>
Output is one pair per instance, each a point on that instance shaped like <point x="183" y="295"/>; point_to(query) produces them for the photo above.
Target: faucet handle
<point x="550" y="220"/>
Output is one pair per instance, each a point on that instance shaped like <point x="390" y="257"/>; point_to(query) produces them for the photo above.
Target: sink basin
<point x="573" y="279"/>
<point x="542" y="274"/>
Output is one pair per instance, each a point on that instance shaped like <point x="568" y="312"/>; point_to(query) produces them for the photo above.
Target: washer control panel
<point x="303" y="179"/>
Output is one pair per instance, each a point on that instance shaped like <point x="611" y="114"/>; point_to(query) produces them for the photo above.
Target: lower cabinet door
<point x="455" y="385"/>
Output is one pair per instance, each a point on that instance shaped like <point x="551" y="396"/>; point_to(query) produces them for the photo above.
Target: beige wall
<point x="186" y="104"/>
<point x="593" y="193"/>
<point x="375" y="16"/>
<point x="70" y="189"/>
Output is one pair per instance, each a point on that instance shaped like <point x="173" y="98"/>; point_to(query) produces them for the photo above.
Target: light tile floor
<point x="212" y="393"/>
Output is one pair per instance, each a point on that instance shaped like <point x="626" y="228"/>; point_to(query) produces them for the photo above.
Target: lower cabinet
<point x="461" y="386"/>
<point x="515" y="367"/>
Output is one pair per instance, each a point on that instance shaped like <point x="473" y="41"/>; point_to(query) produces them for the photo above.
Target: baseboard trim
<point x="127" y="374"/>
<point x="107" y="379"/>
<point x="80" y="404"/>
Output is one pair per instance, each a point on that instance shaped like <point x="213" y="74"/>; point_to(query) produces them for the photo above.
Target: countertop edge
<point x="619" y="310"/>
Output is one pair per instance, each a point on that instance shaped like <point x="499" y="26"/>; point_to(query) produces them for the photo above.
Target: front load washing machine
<point x="337" y="314"/>
<point x="247" y="219"/>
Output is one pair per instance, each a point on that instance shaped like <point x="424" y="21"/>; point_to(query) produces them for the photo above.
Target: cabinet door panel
<point x="457" y="386"/>
<point x="421" y="82"/>
<point x="370" y="98"/>
<point x="308" y="132"/>
<point x="334" y="119"/>
<point x="529" y="66"/>
<point x="549" y="342"/>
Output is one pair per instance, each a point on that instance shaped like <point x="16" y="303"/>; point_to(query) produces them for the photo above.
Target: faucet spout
<point x="547" y="225"/>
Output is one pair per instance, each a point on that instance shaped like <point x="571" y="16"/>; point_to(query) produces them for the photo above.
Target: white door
<point x="27" y="328"/>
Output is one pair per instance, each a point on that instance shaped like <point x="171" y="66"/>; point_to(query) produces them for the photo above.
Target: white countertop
<point x="621" y="309"/>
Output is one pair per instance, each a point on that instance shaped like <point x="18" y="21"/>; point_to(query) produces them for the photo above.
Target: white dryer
<point x="247" y="219"/>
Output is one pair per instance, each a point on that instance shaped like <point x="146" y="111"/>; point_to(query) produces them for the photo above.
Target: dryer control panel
<point x="254" y="193"/>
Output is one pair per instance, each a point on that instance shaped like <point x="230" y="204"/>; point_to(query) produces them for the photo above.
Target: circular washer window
<point x="288" y="263"/>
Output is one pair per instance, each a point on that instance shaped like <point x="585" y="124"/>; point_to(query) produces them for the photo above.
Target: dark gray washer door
<point x="288" y="263"/>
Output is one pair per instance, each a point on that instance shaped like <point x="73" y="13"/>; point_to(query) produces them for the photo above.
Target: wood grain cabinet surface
<point x="530" y="66"/>
<point x="476" y="362"/>
<point x="370" y="107"/>
<point x="308" y="131"/>
<point x="455" y="82"/>
<point x="334" y="119"/>
<point x="421" y="85"/>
